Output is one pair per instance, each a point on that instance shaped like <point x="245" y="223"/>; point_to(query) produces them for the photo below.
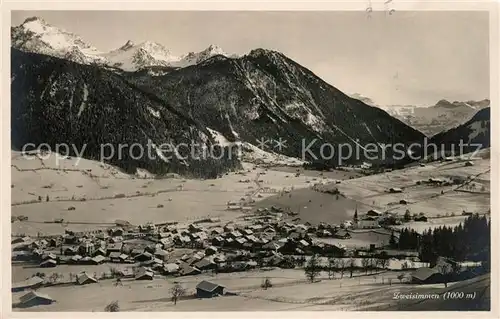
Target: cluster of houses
<point x="444" y="270"/>
<point x="155" y="247"/>
<point x="376" y="219"/>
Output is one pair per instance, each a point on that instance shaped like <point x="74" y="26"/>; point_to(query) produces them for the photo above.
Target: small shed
<point x="144" y="274"/>
<point x="373" y="213"/>
<point x="426" y="275"/>
<point x="342" y="234"/>
<point x="97" y="260"/>
<point x="34" y="298"/>
<point x="420" y="219"/>
<point x="395" y="190"/>
<point x="207" y="289"/>
<point x="84" y="279"/>
<point x="48" y="263"/>
<point x="187" y="270"/>
<point x="170" y="269"/>
<point x="31" y="283"/>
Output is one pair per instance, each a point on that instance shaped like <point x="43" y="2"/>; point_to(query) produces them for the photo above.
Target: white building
<point x="368" y="222"/>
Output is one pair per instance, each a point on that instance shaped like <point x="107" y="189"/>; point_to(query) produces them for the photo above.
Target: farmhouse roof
<point x="35" y="280"/>
<point x="115" y="254"/>
<point x="84" y="277"/>
<point x="424" y="273"/>
<point x="374" y="212"/>
<point x="208" y="286"/>
<point x="32" y="295"/>
<point x="49" y="261"/>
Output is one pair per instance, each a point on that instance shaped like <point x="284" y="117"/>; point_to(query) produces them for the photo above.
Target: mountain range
<point x="66" y="91"/>
<point x="35" y="35"/>
<point x="434" y="119"/>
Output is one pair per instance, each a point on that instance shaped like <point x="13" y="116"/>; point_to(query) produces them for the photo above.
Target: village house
<point x="47" y="256"/>
<point x="75" y="259"/>
<point x="210" y="250"/>
<point x="342" y="234"/>
<point x="373" y="213"/>
<point x="144" y="274"/>
<point x="48" y="263"/>
<point x="161" y="254"/>
<point x="101" y="251"/>
<point x="206" y="289"/>
<point x="218" y="241"/>
<point x="368" y="222"/>
<point x="420" y="218"/>
<point x="114" y="248"/>
<point x="34" y="298"/>
<point x="395" y="190"/>
<point x="24" y="240"/>
<point x="170" y="269"/>
<point x="115" y="257"/>
<point x="144" y="256"/>
<point x="426" y="275"/>
<point x="31" y="283"/>
<point x="217" y="231"/>
<point x="204" y="264"/>
<point x="97" y="260"/>
<point x="84" y="279"/>
<point x="86" y="248"/>
<point x="116" y="231"/>
<point x="187" y="270"/>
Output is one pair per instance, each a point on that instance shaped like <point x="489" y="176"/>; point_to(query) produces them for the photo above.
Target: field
<point x="104" y="194"/>
<point x="101" y="194"/>
<point x="154" y="295"/>
<point x="358" y="293"/>
<point x="372" y="192"/>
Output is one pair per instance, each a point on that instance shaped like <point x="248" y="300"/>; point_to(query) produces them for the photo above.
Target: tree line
<point x="467" y="242"/>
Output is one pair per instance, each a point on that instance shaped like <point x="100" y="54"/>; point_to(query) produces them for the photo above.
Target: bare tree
<point x="365" y="263"/>
<point x="177" y="291"/>
<point x="267" y="283"/>
<point x="312" y="268"/>
<point x="351" y="264"/>
<point x="332" y="266"/>
<point x="372" y="264"/>
<point x="342" y="265"/>
<point x="112" y="307"/>
<point x="383" y="262"/>
<point x="447" y="271"/>
<point x="401" y="277"/>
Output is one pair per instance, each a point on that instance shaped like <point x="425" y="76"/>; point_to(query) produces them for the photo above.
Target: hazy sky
<point x="413" y="58"/>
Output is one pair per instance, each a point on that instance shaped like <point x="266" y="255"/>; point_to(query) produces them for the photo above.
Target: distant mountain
<point x="37" y="36"/>
<point x="467" y="105"/>
<point x="442" y="116"/>
<point x="264" y="94"/>
<point x="225" y="101"/>
<point x="474" y="131"/>
<point x="59" y="101"/>
<point x="363" y="99"/>
<point x="132" y="57"/>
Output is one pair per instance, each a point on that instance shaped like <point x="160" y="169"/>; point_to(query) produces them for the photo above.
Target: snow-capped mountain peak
<point x="37" y="36"/>
<point x="131" y="56"/>
<point x="197" y="57"/>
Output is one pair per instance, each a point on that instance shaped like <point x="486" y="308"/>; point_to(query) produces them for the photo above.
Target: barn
<point x="31" y="283"/>
<point x="84" y="279"/>
<point x="34" y="298"/>
<point x="426" y="275"/>
<point x="206" y="289"/>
